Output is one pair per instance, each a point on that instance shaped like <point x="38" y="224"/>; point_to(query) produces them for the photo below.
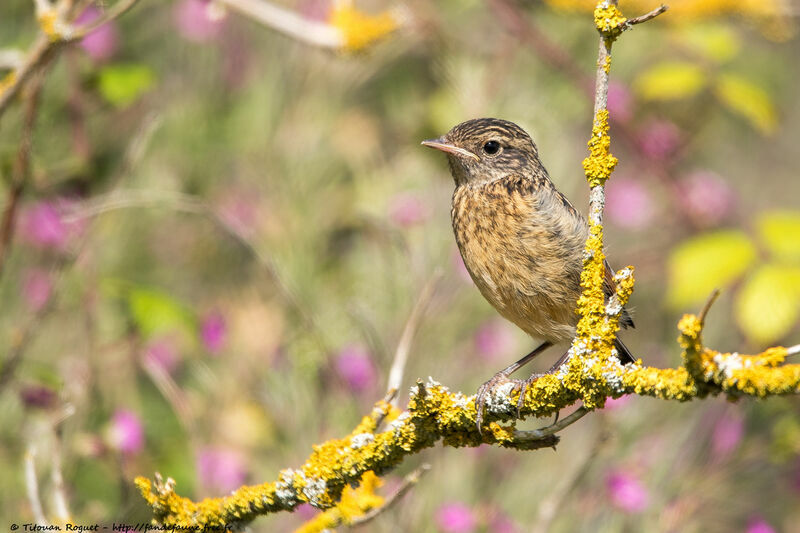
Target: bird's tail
<point x="625" y="355"/>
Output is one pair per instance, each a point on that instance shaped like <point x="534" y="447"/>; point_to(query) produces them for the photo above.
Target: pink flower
<point x="626" y="492"/>
<point x="355" y="367"/>
<point x="628" y="203"/>
<point x="213" y="332"/>
<point x="619" y="102"/>
<point x="162" y="353"/>
<point x="659" y="139"/>
<point x="36" y="289"/>
<point x="727" y="434"/>
<point x="615" y="404"/>
<point x="759" y="525"/>
<point x="406" y="210"/>
<point x="41" y="225"/>
<point x="220" y="469"/>
<point x="500" y="523"/>
<point x="102" y="43"/>
<point x="495" y="339"/>
<point x="306" y="511"/>
<point x="38" y="396"/>
<point x="315" y="9"/>
<point x="707" y="196"/>
<point x="197" y="21"/>
<point x="126" y="433"/>
<point x="455" y="518"/>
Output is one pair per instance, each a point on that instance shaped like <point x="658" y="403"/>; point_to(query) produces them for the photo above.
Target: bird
<point x="521" y="239"/>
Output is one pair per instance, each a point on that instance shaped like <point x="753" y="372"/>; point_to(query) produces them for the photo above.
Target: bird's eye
<point x="491" y="147"/>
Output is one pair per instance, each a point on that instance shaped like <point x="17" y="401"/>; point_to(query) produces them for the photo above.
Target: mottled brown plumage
<point x="520" y="238"/>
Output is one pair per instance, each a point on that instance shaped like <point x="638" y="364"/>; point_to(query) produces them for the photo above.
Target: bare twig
<point x="21" y="172"/>
<point x="404" y="345"/>
<point x="793" y="350"/>
<point x="408" y="481"/>
<point x="288" y="22"/>
<point x="46" y="48"/>
<point x="707" y="307"/>
<point x="647" y="16"/>
<point x="32" y="486"/>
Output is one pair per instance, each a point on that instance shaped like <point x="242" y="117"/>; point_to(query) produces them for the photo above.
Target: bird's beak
<point x="444" y="146"/>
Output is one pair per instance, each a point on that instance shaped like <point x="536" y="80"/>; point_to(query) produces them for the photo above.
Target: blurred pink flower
<point x="306" y="511"/>
<point x="501" y="523"/>
<point x="102" y="43"/>
<point x="494" y="339"/>
<point x="727" y="434"/>
<point x="460" y="267"/>
<point x="38" y="396"/>
<point x="354" y="365"/>
<point x="615" y="404"/>
<point x="163" y="354"/>
<point x="213" y="332"/>
<point x="220" y="469"/>
<point x="455" y="518"/>
<point x="239" y="210"/>
<point x="626" y="492"/>
<point x="759" y="525"/>
<point x="126" y="433"/>
<point x="707" y="196"/>
<point x="659" y="139"/>
<point x="196" y="20"/>
<point x="629" y="203"/>
<point x="41" y="225"/>
<point x="619" y="101"/>
<point x="36" y="288"/>
<point x="406" y="210"/>
<point x="315" y="9"/>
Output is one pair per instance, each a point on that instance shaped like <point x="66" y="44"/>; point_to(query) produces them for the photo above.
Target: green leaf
<point x="768" y="306"/>
<point x="749" y="101"/>
<point x="701" y="264"/>
<point x="155" y="312"/>
<point x="670" y="80"/>
<point x="123" y="84"/>
<point x="780" y="231"/>
<point x="716" y="42"/>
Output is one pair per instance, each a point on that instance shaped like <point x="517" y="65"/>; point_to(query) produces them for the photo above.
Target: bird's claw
<point x="520" y="385"/>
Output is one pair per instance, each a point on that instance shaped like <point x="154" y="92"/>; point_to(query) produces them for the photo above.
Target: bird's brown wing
<point x="609" y="285"/>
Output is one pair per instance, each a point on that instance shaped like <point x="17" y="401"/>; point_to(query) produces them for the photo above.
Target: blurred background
<point x="225" y="229"/>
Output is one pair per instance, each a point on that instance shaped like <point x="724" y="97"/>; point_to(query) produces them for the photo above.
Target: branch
<point x="55" y="33"/>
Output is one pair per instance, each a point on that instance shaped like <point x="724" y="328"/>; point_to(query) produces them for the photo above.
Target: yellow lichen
<point x="600" y="163"/>
<point x="355" y="502"/>
<point x="609" y="20"/>
<point x="7" y="81"/>
<point x="359" y="29"/>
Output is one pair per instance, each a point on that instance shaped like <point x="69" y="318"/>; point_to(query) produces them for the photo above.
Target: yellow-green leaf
<point x="122" y="84"/>
<point x="749" y="101"/>
<point x="780" y="232"/>
<point x="768" y="306"/>
<point x="701" y="264"/>
<point x="717" y="42"/>
<point x="671" y="80"/>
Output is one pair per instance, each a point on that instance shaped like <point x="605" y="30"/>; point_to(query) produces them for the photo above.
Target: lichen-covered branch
<point x="434" y="414"/>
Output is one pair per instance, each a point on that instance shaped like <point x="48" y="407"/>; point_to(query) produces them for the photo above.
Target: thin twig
<point x="404" y="345"/>
<point x="59" y="490"/>
<point x="793" y="350"/>
<point x="538" y="434"/>
<point x="21" y="172"/>
<point x="117" y="10"/>
<point x="644" y="18"/>
<point x="707" y="307"/>
<point x="288" y="22"/>
<point x="32" y="486"/>
<point x="408" y="481"/>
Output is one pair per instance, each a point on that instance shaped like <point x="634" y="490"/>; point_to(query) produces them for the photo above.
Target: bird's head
<point x="487" y="149"/>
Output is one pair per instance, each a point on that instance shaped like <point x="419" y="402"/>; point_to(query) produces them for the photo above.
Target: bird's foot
<point x="500" y="379"/>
